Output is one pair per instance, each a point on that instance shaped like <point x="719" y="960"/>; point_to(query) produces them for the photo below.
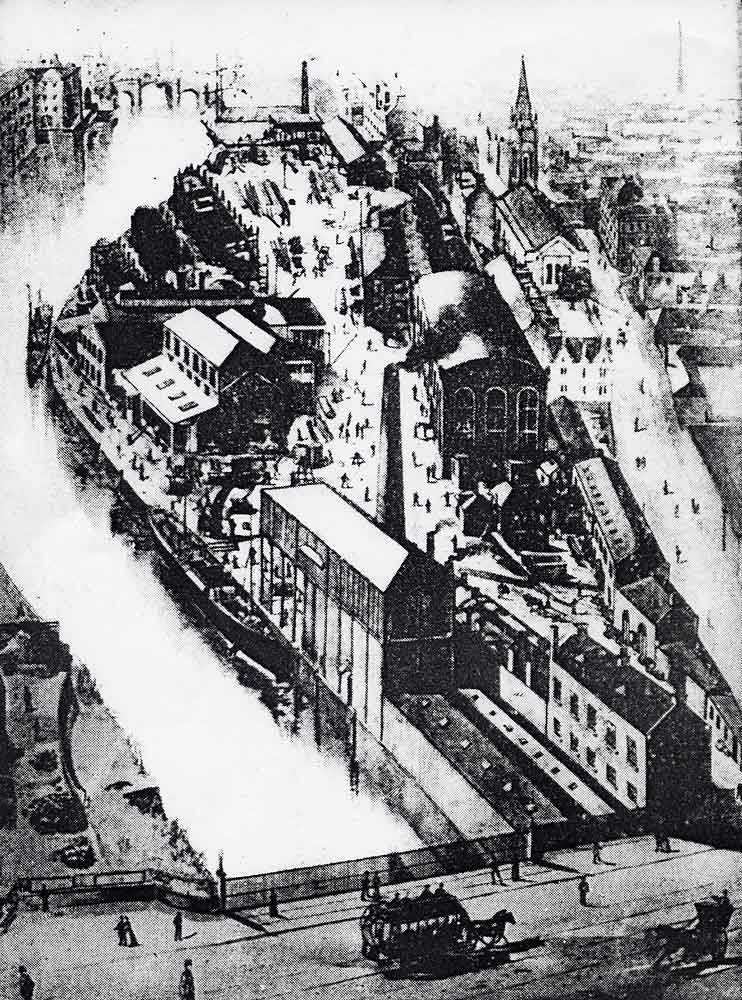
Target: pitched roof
<point x="11" y="79"/>
<point x="344" y="529"/>
<point x="168" y="390"/>
<point x="297" y="310"/>
<point x="628" y="536"/>
<point x="204" y="335"/>
<point x="261" y="340"/>
<point x="634" y="696"/>
<point x="342" y="140"/>
<point x="535" y="218"/>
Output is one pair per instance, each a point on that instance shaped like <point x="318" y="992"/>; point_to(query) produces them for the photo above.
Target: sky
<point x="450" y="52"/>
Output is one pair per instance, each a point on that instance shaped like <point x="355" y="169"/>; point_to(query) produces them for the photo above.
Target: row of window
<point x="91" y="347"/>
<point x="591" y="722"/>
<point x="591" y="759"/>
<point x="496" y="413"/>
<point x="602" y="389"/>
<point x="191" y="359"/>
<point x="554" y="273"/>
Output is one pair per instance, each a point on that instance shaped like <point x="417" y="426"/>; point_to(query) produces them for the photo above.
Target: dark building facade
<point x="626" y="220"/>
<point x="487" y="390"/>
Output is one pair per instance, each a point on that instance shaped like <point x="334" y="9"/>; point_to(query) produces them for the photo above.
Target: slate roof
<point x="635" y="697"/>
<point x="129" y="343"/>
<point x="11" y="79"/>
<point x="535" y="218"/>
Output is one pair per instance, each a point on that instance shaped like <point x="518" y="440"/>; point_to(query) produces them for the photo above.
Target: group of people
<point x="371" y="891"/>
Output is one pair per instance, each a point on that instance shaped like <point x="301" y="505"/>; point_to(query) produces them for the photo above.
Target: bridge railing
<point x="394" y="868"/>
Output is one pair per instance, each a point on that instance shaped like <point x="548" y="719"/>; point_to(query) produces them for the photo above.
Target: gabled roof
<point x="342" y="140"/>
<point x="634" y="696"/>
<point x="11" y="79"/>
<point x="344" y="529"/>
<point x="297" y="310"/>
<point x="204" y="335"/>
<point x="247" y="330"/>
<point x="532" y="215"/>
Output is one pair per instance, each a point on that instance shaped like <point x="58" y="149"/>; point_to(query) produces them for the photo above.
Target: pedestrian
<point x="376" y="886"/>
<point x="414" y="392"/>
<point x="415" y="499"/>
<point x="447" y="498"/>
<point x="358" y="429"/>
<point x="186" y="986"/>
<point x="414" y="460"/>
<point x="273" y="904"/>
<point x="496" y="876"/>
<point x="363" y="367"/>
<point x="657" y="842"/>
<point x="433" y="471"/>
<point x="368" y="345"/>
<point x="44" y="898"/>
<point x="178" y="925"/>
<point x="26" y="985"/>
<point x="678" y="553"/>
<point x="365" y="886"/>
<point x="666" y="488"/>
<point x="583" y="888"/>
<point x="129" y="935"/>
<point x="641" y="386"/>
<point x="121" y="930"/>
<point x="597" y="860"/>
<point x="427" y="506"/>
<point x="373" y="450"/>
<point x="363" y="397"/>
<point x="677" y="510"/>
<point x="367" y="495"/>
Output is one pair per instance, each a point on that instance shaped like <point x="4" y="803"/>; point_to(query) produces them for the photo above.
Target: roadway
<point x="313" y="948"/>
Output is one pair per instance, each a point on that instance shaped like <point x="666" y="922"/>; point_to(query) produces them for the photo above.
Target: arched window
<point x="464" y="412"/>
<point x="496" y="415"/>
<point x="625" y="628"/>
<point x="528" y="418"/>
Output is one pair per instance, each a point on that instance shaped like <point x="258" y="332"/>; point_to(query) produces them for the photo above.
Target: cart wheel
<point x="721" y="944"/>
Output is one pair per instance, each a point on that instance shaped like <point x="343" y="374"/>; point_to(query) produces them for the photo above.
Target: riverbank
<point x="76" y="796"/>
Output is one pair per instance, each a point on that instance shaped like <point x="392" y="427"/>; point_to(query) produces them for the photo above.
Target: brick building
<point x="626" y="220"/>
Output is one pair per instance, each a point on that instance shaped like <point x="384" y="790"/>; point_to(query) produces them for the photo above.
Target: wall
<point x="525" y="701"/>
<point x="596" y="740"/>
<point x="439" y="779"/>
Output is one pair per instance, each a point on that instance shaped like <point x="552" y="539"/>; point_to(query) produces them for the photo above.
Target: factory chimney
<point x="304" y="88"/>
<point x="681" y="71"/>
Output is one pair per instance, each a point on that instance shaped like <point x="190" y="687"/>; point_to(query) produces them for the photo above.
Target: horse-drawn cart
<point x="433" y="936"/>
<point x="706" y="937"/>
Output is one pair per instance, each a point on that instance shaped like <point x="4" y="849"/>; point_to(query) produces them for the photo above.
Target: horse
<point x="493" y="930"/>
<point x="674" y="940"/>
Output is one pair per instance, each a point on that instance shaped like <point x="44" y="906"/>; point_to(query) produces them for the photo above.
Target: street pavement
<point x="314" y="947"/>
<point x="674" y="476"/>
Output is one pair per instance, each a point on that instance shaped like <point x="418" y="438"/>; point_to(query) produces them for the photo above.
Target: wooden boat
<point x="195" y="574"/>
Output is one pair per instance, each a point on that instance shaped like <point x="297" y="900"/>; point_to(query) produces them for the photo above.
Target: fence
<point x="391" y="869"/>
<point x="198" y="895"/>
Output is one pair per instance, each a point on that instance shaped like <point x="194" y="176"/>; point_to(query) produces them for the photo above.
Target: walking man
<point x="186" y="986"/>
<point x="597" y="860"/>
<point x="120" y="928"/>
<point x="376" y="886"/>
<point x="26" y="985"/>
<point x="496" y="876"/>
<point x="583" y="888"/>
<point x="273" y="904"/>
<point x="365" y="886"/>
<point x="178" y="925"/>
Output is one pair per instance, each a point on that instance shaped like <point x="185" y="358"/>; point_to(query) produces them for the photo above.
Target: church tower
<point x="523" y="137"/>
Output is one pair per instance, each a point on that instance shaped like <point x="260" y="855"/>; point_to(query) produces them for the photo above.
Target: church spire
<point x="522" y="108"/>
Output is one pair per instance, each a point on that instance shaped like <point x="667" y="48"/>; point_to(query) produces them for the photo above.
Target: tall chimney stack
<point x="304" y="88"/>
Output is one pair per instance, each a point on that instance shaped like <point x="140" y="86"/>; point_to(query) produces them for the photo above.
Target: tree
<point x="575" y="286"/>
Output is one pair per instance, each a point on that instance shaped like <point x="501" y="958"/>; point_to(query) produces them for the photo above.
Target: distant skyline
<point x="454" y="53"/>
